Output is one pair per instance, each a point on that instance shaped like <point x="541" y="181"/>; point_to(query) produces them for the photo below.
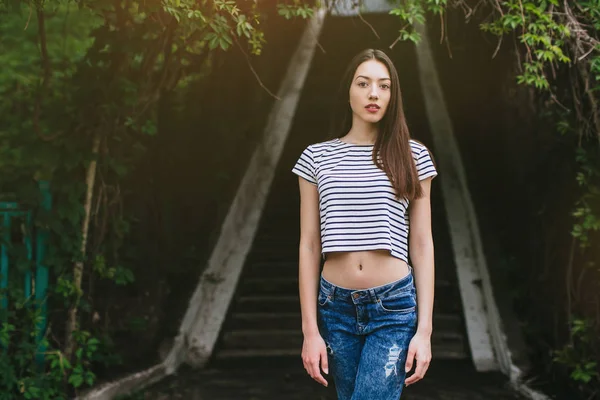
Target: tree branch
<point x="47" y="75"/>
<point x="71" y="325"/>
<point x="254" y="71"/>
<point x="368" y="24"/>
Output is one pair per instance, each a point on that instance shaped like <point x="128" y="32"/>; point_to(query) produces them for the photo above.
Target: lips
<point x="372" y="107"/>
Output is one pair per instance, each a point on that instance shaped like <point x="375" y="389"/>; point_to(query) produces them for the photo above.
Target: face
<point x="370" y="91"/>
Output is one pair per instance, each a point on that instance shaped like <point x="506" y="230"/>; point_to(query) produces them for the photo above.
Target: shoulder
<point x="423" y="159"/>
<point x="320" y="148"/>
<point x="417" y="147"/>
<point x="322" y="145"/>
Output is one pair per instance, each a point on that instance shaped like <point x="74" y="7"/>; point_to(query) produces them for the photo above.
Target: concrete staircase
<point x="264" y="317"/>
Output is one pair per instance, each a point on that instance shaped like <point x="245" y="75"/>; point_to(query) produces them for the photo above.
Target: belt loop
<point x="372" y="295"/>
<point x="332" y="292"/>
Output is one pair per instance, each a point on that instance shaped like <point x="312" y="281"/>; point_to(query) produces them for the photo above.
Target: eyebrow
<point x="366" y="77"/>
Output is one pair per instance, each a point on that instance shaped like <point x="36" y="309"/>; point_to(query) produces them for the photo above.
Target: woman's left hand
<point x="419" y="348"/>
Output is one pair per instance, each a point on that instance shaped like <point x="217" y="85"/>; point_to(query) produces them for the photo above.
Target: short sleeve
<point x="425" y="165"/>
<point x="305" y="166"/>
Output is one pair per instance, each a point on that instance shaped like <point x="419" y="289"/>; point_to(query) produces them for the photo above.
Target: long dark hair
<point x="392" y="142"/>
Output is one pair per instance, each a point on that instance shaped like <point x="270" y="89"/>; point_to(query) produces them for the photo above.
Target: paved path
<point x="446" y="380"/>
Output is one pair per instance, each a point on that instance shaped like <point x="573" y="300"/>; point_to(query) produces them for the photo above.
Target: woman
<point x="362" y="316"/>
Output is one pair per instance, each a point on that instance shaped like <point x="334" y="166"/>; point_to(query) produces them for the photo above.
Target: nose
<point x="373" y="93"/>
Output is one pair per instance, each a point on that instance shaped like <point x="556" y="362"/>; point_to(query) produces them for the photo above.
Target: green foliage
<point x="553" y="34"/>
<point x="549" y="35"/>
<point x="579" y="354"/>
<point x="108" y="63"/>
<point x="543" y="36"/>
<point x="534" y="76"/>
<point x="20" y="375"/>
<point x="296" y="9"/>
<point x="68" y="40"/>
<point x="120" y="275"/>
<point x="587" y="208"/>
<point x="77" y="73"/>
<point x="409" y="13"/>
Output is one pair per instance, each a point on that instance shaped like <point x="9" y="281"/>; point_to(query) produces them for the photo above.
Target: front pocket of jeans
<point x="398" y="304"/>
<point x="323" y="298"/>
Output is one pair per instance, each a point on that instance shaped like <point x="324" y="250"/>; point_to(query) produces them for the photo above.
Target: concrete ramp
<point x="352" y="8"/>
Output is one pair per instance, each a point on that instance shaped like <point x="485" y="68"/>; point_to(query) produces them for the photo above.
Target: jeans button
<point x="355" y="295"/>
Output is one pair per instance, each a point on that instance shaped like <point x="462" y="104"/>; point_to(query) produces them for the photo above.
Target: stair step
<point x="285" y="217"/>
<point x="270" y="251"/>
<point x="260" y="269"/>
<point x="266" y="321"/>
<point x="282" y="212"/>
<point x="234" y="353"/>
<point x="288" y="227"/>
<point x="281" y="338"/>
<point x="458" y="353"/>
<point x="275" y="269"/>
<point x="289" y="264"/>
<point x="267" y="304"/>
<point x="289" y="236"/>
<point x="260" y="340"/>
<point x="284" y="240"/>
<point x="293" y="320"/>
<point x="445" y="302"/>
<point x="269" y="285"/>
<point x="269" y="255"/>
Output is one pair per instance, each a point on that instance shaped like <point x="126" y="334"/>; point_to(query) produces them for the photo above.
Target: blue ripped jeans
<point x="367" y="333"/>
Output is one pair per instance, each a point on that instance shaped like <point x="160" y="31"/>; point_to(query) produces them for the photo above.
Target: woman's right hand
<point x="314" y="352"/>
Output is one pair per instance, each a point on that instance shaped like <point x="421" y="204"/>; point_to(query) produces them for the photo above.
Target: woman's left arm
<point x="420" y="244"/>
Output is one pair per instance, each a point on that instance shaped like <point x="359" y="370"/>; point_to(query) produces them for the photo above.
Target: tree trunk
<point x="78" y="266"/>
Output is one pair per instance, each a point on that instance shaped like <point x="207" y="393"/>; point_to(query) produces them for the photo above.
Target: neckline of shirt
<point x="353" y="144"/>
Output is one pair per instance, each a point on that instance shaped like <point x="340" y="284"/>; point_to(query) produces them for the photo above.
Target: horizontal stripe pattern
<point x="357" y="207"/>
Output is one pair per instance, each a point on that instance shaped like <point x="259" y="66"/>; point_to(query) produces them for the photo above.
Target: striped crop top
<point x="357" y="205"/>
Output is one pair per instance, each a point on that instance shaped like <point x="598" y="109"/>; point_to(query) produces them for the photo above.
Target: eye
<point x="363" y="84"/>
<point x="385" y="86"/>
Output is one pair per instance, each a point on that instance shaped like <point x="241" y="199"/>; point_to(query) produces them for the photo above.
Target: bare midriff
<point x="363" y="269"/>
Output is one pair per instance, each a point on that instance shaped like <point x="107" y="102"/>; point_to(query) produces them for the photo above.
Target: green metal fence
<point x="35" y="282"/>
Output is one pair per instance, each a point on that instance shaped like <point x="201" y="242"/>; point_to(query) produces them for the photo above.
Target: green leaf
<point x="76" y="380"/>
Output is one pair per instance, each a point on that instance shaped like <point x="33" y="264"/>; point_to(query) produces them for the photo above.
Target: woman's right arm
<point x="314" y="351"/>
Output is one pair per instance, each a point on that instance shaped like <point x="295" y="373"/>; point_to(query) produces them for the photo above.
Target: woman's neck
<point x="362" y="132"/>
